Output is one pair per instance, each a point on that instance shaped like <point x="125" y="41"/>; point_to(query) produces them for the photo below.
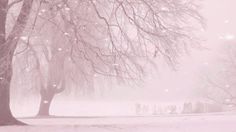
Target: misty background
<point x="162" y="86"/>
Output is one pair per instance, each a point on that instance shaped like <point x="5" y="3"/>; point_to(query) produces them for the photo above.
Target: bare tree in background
<point x="221" y="85"/>
<point x="115" y="38"/>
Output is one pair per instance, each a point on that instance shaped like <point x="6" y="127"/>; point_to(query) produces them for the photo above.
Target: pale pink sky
<point x="181" y="85"/>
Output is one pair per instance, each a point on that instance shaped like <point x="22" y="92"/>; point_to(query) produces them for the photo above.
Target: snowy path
<point x="207" y="123"/>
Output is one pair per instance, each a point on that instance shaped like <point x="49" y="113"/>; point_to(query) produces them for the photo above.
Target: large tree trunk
<point x="6" y="117"/>
<point x="7" y="49"/>
<point x="5" y="113"/>
<point x="5" y="74"/>
<point x="55" y="83"/>
<point x="47" y="95"/>
<point x="46" y="99"/>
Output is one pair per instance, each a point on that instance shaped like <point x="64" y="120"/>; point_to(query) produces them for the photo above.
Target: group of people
<point x="185" y="108"/>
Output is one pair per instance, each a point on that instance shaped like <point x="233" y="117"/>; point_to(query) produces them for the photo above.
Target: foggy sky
<point x="182" y="85"/>
<point x="168" y="85"/>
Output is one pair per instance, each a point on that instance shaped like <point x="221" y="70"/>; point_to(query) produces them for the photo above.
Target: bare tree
<point x="52" y="65"/>
<point x="221" y="85"/>
<point x="114" y="38"/>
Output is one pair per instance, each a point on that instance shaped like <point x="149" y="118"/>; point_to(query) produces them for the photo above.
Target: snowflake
<point x="43" y="10"/>
<point x="229" y="37"/>
<point x="226" y="21"/>
<point x="203" y="30"/>
<point x="59" y="49"/>
<point x="94" y="1"/>
<point x="66" y="34"/>
<point x="39" y="13"/>
<point x="230" y="105"/>
<point x="45" y="102"/>
<point x="59" y="5"/>
<point x="67" y="9"/>
<point x="115" y="64"/>
<point x="27" y="69"/>
<point x="163" y="31"/>
<point x="164" y="9"/>
<point x="106" y="39"/>
<point x="227" y="100"/>
<point x="24" y="38"/>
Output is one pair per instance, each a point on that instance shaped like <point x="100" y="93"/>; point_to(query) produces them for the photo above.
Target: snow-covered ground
<point x="186" y="123"/>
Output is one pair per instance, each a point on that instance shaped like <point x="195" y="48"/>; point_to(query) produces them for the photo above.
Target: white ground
<point x="187" y="123"/>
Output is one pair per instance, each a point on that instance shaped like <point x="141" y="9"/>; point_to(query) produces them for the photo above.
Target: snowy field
<point x="186" y="123"/>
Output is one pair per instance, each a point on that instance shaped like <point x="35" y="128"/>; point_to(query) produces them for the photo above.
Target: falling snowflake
<point x="226" y="21"/>
<point x="47" y="41"/>
<point x="43" y="10"/>
<point x="106" y="39"/>
<point x="227" y="100"/>
<point x="115" y="64"/>
<point x="45" y="102"/>
<point x="27" y="69"/>
<point x="230" y="105"/>
<point x="229" y="37"/>
<point x="39" y="13"/>
<point x="168" y="111"/>
<point x="59" y="5"/>
<point x="24" y="38"/>
<point x="94" y="1"/>
<point x="66" y="34"/>
<point x="203" y="30"/>
<point x="166" y="90"/>
<point x="164" y="9"/>
<point x="163" y="31"/>
<point x="59" y="49"/>
<point x="54" y="85"/>
<point x="67" y="9"/>
<point x="75" y="39"/>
